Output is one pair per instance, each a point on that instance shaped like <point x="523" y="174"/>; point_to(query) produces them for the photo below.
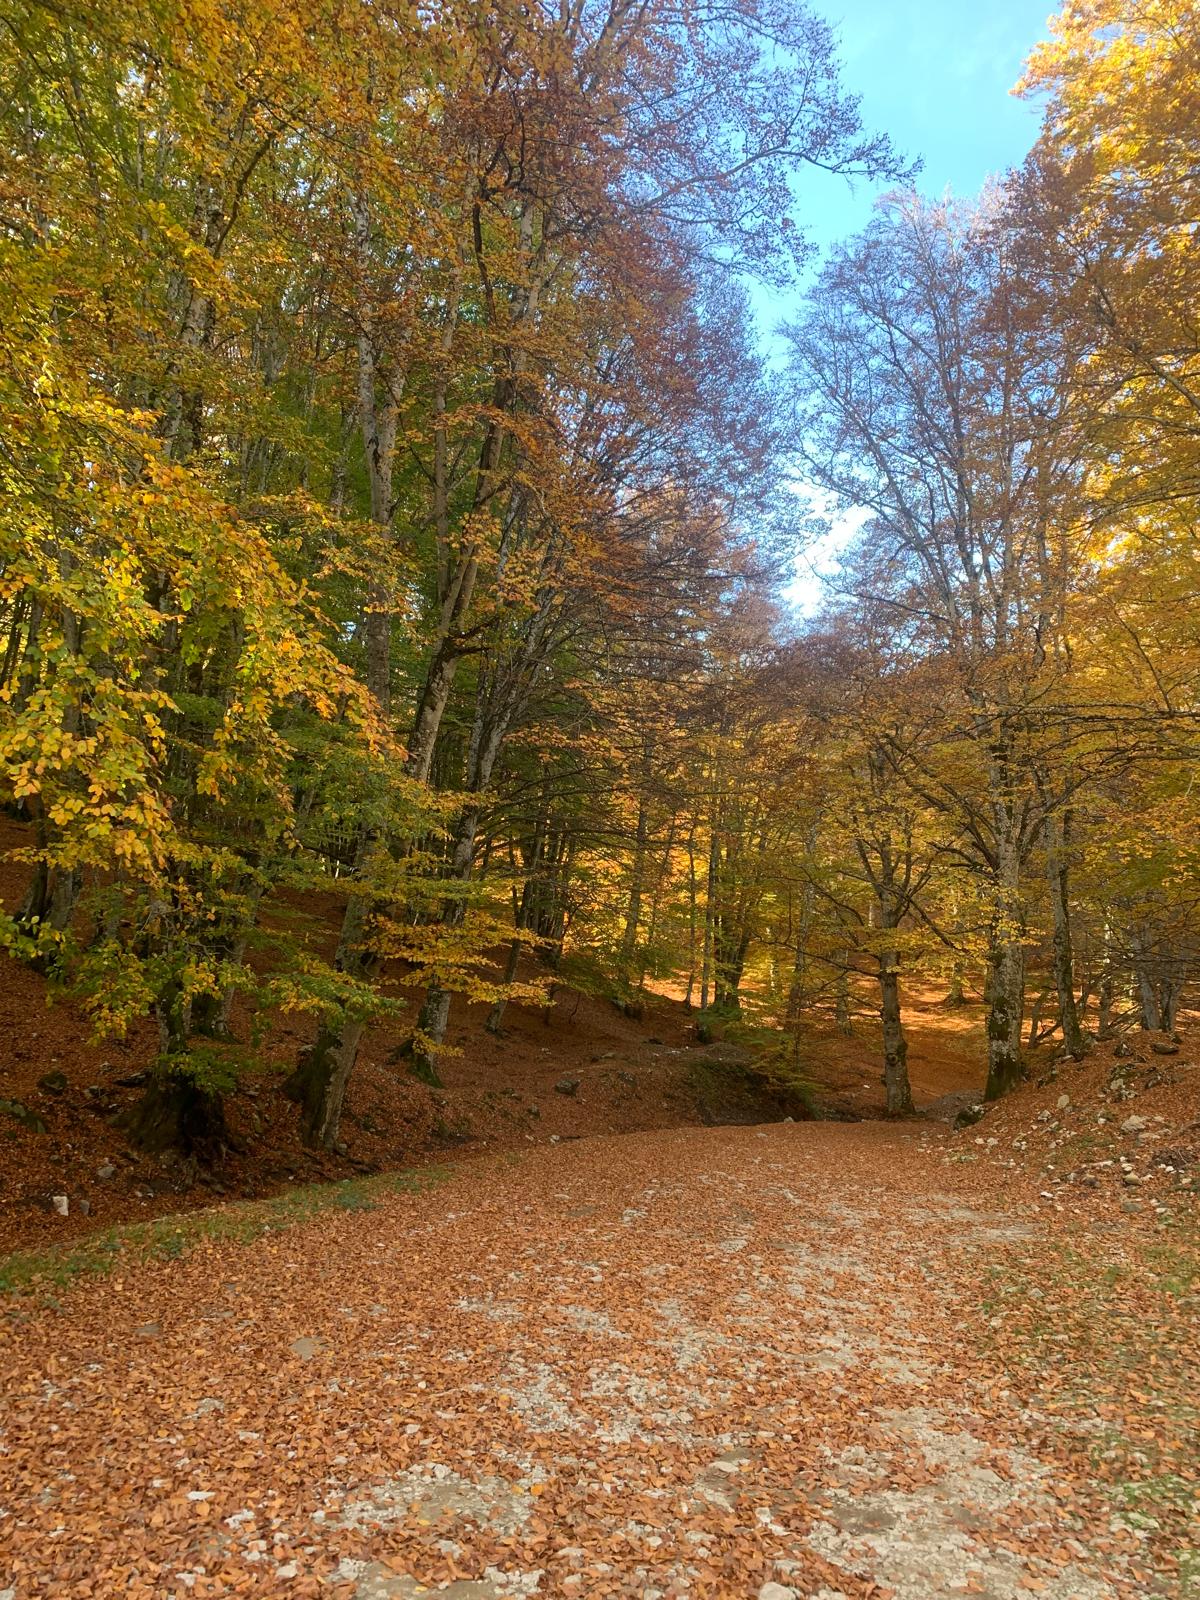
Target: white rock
<point x="60" y="1203"/>
<point x="776" y="1591"/>
<point x="1134" y="1125"/>
<point x="1064" y="1100"/>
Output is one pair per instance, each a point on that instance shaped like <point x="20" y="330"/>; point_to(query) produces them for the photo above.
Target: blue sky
<point x="934" y="75"/>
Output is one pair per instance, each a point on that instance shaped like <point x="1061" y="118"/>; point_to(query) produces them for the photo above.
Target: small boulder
<point x="1134" y="1125"/>
<point x="1064" y="1100"/>
<point x="105" y="1172"/>
<point x="306" y="1348"/>
<point x="1164" y="1047"/>
<point x="23" y="1115"/>
<point x="60" y="1203"/>
<point x="567" y="1086"/>
<point x="53" y="1082"/>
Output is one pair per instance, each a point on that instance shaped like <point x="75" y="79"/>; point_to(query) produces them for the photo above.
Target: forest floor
<point x="574" y="1068"/>
<point x="551" y="1334"/>
<point x="813" y="1360"/>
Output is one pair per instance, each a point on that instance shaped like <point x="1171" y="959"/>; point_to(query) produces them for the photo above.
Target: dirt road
<point x="711" y="1362"/>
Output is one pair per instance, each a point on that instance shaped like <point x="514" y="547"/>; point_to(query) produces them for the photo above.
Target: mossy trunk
<point x="319" y="1080"/>
<point x="432" y="1023"/>
<point x="1006" y="1004"/>
<point x="177" y="1114"/>
<point x="895" y="1045"/>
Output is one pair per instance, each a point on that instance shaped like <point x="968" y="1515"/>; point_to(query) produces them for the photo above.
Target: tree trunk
<point x="1035" y="1019"/>
<point x="691" y="983"/>
<point x="1151" y="1019"/>
<point x="798" y="989"/>
<point x="709" y="914"/>
<point x="633" y="914"/>
<point x="1107" y="990"/>
<point x="525" y="918"/>
<point x="49" y="902"/>
<point x="1007" y="1004"/>
<point x="841" y="1013"/>
<point x="496" y="1014"/>
<point x="895" y="1045"/>
<point x="435" y="1012"/>
<point x="1169" y="991"/>
<point x="656" y="897"/>
<point x="1063" y="955"/>
<point x="318" y="1083"/>
<point x="955" y="996"/>
<point x="729" y="961"/>
<point x="175" y="1113"/>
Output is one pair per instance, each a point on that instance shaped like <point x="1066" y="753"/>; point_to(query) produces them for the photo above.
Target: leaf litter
<point x="719" y="1362"/>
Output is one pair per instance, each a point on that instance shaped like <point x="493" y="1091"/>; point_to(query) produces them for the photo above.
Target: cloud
<point x="820" y="559"/>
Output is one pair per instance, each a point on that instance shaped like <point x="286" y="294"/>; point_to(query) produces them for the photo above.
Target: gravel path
<point x="718" y="1362"/>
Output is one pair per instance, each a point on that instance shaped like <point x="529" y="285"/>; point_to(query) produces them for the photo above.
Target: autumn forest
<point x="414" y="418"/>
<point x="394" y="496"/>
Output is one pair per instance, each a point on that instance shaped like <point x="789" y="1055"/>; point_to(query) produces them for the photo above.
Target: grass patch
<point x="169" y="1238"/>
<point x="754" y="1090"/>
<point x="1189" y="1575"/>
<point x="1104" y="1338"/>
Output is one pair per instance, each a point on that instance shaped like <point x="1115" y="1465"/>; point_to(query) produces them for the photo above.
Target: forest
<point x="599" y="836"/>
<point x="395" y="500"/>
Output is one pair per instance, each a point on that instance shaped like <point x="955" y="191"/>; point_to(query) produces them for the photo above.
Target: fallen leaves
<point x="576" y="1432"/>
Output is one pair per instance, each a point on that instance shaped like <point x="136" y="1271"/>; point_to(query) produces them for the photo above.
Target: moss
<point x="169" y="1238"/>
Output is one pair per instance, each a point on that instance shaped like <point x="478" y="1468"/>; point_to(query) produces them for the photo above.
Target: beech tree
<point x="930" y="402"/>
<point x="392" y="498"/>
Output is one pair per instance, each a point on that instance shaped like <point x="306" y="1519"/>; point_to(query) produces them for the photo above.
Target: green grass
<point x="169" y="1238"/>
<point x="756" y="1087"/>
<point x="1127" y="1327"/>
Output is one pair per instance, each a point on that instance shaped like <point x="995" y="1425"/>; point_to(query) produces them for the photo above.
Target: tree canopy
<point x="393" y="499"/>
